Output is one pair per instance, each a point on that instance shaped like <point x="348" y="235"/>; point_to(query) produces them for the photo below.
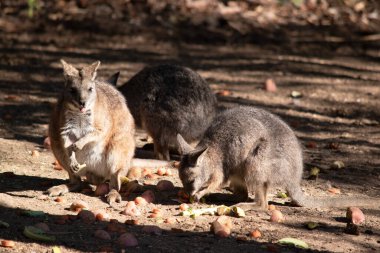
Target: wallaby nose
<point x="82" y="103"/>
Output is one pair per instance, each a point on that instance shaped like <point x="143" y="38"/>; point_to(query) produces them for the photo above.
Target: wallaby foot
<point x="115" y="185"/>
<point x="62" y="189"/>
<point x="161" y="151"/>
<point x="251" y="206"/>
<point x="113" y="196"/>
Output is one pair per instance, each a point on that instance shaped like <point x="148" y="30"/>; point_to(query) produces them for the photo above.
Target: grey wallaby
<point x="91" y="131"/>
<point x="167" y="100"/>
<point x="250" y="150"/>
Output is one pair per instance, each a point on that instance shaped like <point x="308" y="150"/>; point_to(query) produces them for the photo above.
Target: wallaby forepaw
<point x="57" y="190"/>
<point x="78" y="145"/>
<point x="113" y="196"/>
<point x="74" y="165"/>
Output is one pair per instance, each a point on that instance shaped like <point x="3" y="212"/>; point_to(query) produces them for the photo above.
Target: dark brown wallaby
<point x="167" y="100"/>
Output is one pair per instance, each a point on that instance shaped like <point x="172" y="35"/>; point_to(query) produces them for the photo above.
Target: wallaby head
<point x="80" y="90"/>
<point x="192" y="172"/>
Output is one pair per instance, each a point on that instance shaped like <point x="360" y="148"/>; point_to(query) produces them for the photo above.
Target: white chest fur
<point x="93" y="154"/>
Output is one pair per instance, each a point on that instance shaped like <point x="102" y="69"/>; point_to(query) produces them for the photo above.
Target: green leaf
<point x="31" y="213"/>
<point x="282" y="195"/>
<point x="37" y="234"/>
<point x="3" y="224"/>
<point x="312" y="225"/>
<point x="314" y="171"/>
<point x="295" y="242"/>
<point x="297" y="2"/>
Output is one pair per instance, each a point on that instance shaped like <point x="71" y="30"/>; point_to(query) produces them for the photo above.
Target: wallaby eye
<point x="73" y="90"/>
<point x="90" y="89"/>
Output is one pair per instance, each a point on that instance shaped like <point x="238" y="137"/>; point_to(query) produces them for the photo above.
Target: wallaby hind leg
<point x="115" y="185"/>
<point x="240" y="193"/>
<point x="94" y="179"/>
<point x="261" y="202"/>
<point x="161" y="150"/>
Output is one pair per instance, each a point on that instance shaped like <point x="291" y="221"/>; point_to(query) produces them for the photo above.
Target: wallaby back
<point x="166" y="100"/>
<point x="250" y="150"/>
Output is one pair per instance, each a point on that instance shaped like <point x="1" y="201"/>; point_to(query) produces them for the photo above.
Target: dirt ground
<point x="336" y="119"/>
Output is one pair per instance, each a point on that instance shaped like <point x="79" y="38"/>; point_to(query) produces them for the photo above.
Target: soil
<point x="336" y="119"/>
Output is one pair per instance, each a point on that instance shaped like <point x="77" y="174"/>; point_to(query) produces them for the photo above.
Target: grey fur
<point x="166" y="100"/>
<point x="250" y="150"/>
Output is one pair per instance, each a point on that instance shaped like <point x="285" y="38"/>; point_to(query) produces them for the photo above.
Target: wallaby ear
<point x="69" y="70"/>
<point x="90" y="71"/>
<point x="196" y="153"/>
<point x="184" y="147"/>
<point x="113" y="79"/>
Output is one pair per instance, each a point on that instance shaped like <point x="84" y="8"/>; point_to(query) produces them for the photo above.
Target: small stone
<point x="296" y="94"/>
<point x="35" y="153"/>
<point x="338" y="165"/>
<point x="276" y="216"/>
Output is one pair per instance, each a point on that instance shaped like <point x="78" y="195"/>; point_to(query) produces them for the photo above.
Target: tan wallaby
<point x="91" y="127"/>
<point x="251" y="150"/>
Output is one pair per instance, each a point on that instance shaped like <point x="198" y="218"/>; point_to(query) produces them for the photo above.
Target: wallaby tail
<point x="301" y="199"/>
<point x="137" y="162"/>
